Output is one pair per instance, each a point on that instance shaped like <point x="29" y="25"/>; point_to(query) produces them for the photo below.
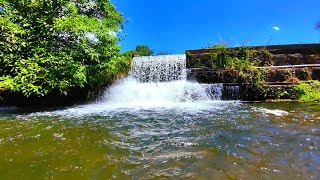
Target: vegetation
<point x="238" y="58"/>
<point x="283" y="74"/>
<point x="243" y="60"/>
<point x="56" y="45"/>
<point x="143" y="50"/>
<point x="308" y="91"/>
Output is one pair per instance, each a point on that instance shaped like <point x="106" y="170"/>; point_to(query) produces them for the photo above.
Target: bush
<point x="143" y="50"/>
<point x="48" y="45"/>
<point x="308" y="91"/>
<point x="242" y="60"/>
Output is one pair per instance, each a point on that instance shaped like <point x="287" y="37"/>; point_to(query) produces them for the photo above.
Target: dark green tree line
<point x="48" y="45"/>
<point x="143" y="50"/>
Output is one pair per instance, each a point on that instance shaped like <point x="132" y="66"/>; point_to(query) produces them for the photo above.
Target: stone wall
<point x="272" y="75"/>
<point x="284" y="66"/>
<point x="294" y="54"/>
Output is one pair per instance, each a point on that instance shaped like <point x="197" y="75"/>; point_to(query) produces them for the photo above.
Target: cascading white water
<point x="155" y="82"/>
<point x="160" y="80"/>
<point x="164" y="68"/>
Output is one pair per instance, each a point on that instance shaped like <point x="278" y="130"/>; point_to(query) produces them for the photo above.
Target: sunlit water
<point x="162" y="128"/>
<point x="224" y="140"/>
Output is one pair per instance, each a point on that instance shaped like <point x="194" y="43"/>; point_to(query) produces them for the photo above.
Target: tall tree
<point x="143" y="50"/>
<point x="48" y="45"/>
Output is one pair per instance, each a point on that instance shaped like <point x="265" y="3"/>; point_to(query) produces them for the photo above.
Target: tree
<point x="48" y="45"/>
<point x="143" y="50"/>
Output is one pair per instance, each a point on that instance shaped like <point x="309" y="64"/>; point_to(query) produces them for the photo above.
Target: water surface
<point x="207" y="140"/>
<point x="155" y="124"/>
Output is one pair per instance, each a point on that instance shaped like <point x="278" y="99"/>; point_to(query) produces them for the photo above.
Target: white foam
<point x="155" y="83"/>
<point x="131" y="91"/>
<point x="276" y="112"/>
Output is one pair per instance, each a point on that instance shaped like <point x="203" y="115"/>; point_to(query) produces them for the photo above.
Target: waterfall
<point x="155" y="82"/>
<point x="164" y="68"/>
<point x="231" y="92"/>
<point x="160" y="81"/>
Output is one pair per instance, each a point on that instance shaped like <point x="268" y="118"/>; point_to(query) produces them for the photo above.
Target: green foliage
<point x="234" y="58"/>
<point x="265" y="56"/>
<point x="242" y="59"/>
<point x="143" y="50"/>
<point x="48" y="45"/>
<point x="129" y="54"/>
<point x="308" y="91"/>
<point x="284" y="74"/>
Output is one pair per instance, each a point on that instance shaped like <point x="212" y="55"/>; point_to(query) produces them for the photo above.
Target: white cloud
<point x="276" y="28"/>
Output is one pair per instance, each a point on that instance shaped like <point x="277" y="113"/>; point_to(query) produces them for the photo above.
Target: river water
<point x="225" y="140"/>
<point x="158" y="127"/>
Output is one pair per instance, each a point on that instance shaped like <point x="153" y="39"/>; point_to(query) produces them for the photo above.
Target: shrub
<point x="308" y="91"/>
<point x="242" y="60"/>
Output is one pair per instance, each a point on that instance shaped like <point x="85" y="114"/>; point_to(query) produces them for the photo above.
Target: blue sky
<point x="178" y="25"/>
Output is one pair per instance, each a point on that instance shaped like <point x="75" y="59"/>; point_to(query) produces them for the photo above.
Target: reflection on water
<point x="207" y="140"/>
